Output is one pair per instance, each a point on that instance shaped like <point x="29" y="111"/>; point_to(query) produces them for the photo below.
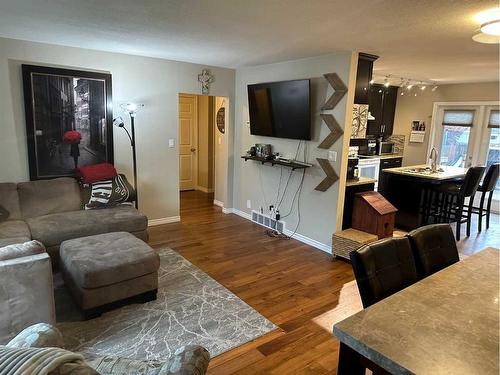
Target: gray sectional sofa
<point x="51" y="211"/>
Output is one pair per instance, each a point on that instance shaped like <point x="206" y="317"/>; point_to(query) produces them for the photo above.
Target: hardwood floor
<point x="297" y="287"/>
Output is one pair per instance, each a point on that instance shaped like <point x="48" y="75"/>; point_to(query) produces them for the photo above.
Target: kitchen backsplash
<point x="399" y="143"/>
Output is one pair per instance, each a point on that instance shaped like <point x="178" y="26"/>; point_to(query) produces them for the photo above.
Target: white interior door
<point x="188" y="120"/>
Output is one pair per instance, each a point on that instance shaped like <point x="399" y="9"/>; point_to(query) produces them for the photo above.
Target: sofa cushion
<point x="107" y="259"/>
<point x="14" y="228"/>
<point x="9" y="200"/>
<point x="44" y="197"/>
<point x="20" y="250"/>
<point x="55" y="228"/>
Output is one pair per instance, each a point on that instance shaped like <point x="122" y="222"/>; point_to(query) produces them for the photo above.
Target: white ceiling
<point x="424" y="39"/>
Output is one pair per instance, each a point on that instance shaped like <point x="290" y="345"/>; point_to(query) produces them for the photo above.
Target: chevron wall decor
<point x="331" y="176"/>
<point x="335" y="131"/>
<point x="339" y="88"/>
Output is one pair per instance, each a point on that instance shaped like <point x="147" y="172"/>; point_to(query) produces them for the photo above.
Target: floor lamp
<point x="131" y="109"/>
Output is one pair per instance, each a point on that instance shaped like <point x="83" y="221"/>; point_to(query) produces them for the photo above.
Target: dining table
<point x="446" y="323"/>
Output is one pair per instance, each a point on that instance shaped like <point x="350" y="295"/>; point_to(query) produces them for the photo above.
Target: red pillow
<point x="97" y="172"/>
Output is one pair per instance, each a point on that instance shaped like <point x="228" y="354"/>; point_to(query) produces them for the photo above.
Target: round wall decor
<point x="221" y="120"/>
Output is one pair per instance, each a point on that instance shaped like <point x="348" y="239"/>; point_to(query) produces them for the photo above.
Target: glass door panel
<point x="454" y="145"/>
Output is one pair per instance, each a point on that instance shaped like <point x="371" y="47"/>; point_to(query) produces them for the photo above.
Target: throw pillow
<point x="20" y="250"/>
<point x="109" y="193"/>
<point x="4" y="214"/>
<point x="97" y="172"/>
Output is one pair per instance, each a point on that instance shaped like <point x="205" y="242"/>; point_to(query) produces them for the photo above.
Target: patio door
<point x="467" y="134"/>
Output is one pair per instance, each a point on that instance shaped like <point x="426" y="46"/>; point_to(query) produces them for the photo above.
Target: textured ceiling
<point x="424" y="39"/>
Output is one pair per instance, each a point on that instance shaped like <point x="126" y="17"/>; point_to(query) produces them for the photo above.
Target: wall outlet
<point x="332" y="155"/>
<point x="249" y="203"/>
<point x="171" y="143"/>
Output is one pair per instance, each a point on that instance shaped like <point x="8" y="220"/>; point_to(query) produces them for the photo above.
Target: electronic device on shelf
<point x="280" y="109"/>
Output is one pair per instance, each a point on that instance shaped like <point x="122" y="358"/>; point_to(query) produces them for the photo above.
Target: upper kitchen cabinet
<point x="382" y="105"/>
<point x="363" y="77"/>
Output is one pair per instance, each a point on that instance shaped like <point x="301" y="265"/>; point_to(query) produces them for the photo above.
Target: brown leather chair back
<point x="434" y="248"/>
<point x="383" y="268"/>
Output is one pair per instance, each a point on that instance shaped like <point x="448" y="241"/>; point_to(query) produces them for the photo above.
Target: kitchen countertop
<point x="446" y="323"/>
<point x="360" y="181"/>
<point x="391" y="156"/>
<point x="446" y="172"/>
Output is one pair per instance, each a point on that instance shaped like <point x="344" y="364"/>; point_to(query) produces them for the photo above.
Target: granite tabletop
<point x="446" y="323"/>
<point x="424" y="171"/>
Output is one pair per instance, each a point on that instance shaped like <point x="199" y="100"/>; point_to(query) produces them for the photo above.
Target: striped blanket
<point x="39" y="361"/>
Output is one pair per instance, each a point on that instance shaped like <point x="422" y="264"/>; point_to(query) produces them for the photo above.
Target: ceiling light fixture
<point x="434" y="88"/>
<point x="490" y="27"/>
<point x="372" y="81"/>
<point x="386" y="81"/>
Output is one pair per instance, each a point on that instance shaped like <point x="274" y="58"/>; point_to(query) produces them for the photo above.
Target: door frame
<point x="477" y="133"/>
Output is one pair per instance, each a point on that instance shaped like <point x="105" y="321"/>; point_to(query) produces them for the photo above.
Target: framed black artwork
<point x="69" y="120"/>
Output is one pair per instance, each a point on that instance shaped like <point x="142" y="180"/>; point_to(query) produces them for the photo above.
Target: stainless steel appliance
<point x="371" y="147"/>
<point x="369" y="167"/>
<point x="385" y="148"/>
<point x="352" y="164"/>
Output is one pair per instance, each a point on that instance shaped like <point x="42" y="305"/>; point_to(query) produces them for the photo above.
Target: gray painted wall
<point x="318" y="209"/>
<point x="154" y="82"/>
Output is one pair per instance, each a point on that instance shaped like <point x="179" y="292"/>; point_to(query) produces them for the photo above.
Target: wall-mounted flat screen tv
<point x="280" y="109"/>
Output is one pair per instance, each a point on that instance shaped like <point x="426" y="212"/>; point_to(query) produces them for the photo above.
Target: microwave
<point x="385" y="148"/>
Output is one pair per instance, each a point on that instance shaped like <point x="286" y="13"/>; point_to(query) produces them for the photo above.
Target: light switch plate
<point x="332" y="155"/>
<point x="171" y="143"/>
<point x="249" y="204"/>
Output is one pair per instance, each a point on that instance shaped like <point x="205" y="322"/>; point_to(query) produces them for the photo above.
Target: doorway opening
<point x="202" y="151"/>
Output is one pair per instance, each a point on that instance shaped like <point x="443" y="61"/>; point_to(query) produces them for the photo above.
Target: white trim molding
<point x="297" y="236"/>
<point x="163" y="220"/>
<point x="218" y="203"/>
<point x="228" y="210"/>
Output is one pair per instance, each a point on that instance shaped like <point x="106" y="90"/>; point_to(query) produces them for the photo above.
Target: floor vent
<point x="268" y="222"/>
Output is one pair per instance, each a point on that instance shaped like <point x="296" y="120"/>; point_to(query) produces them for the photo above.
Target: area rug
<point x="191" y="308"/>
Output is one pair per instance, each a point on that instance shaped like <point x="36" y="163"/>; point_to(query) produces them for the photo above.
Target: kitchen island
<point x="408" y="189"/>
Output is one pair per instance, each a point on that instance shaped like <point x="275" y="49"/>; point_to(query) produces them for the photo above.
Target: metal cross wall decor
<point x="205" y="78"/>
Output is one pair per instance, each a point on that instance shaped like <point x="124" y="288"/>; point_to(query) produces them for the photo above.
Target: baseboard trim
<point x="297" y="236"/>
<point x="218" y="203"/>
<point x="204" y="189"/>
<point x="163" y="220"/>
<point x="228" y="210"/>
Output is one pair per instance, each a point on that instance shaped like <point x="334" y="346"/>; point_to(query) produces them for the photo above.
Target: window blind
<point x="494" y="121"/>
<point x="458" y="117"/>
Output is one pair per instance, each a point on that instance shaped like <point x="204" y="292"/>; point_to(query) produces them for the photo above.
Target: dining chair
<point x="487" y="186"/>
<point x="383" y="268"/>
<point x="453" y="206"/>
<point x="434" y="248"/>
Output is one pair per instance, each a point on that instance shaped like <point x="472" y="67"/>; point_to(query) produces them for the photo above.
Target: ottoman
<point x="109" y="270"/>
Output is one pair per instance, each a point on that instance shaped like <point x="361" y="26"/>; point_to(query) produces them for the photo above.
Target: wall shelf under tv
<point x="273" y="162"/>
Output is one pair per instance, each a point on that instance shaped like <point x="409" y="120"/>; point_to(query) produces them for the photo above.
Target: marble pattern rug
<point x="191" y="308"/>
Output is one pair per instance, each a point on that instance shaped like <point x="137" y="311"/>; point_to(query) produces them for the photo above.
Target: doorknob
<point x="193" y="150"/>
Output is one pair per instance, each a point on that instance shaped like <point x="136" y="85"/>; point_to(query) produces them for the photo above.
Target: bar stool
<point x="487" y="186"/>
<point x="454" y="195"/>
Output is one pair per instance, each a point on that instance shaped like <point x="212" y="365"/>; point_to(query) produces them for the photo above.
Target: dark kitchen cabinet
<point x="382" y="177"/>
<point x="382" y="105"/>
<point x="363" y="77"/>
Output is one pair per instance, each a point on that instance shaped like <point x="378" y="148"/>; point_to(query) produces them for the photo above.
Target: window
<point x="456" y="135"/>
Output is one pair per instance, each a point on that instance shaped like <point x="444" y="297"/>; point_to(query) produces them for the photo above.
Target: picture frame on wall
<point x="69" y="120"/>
